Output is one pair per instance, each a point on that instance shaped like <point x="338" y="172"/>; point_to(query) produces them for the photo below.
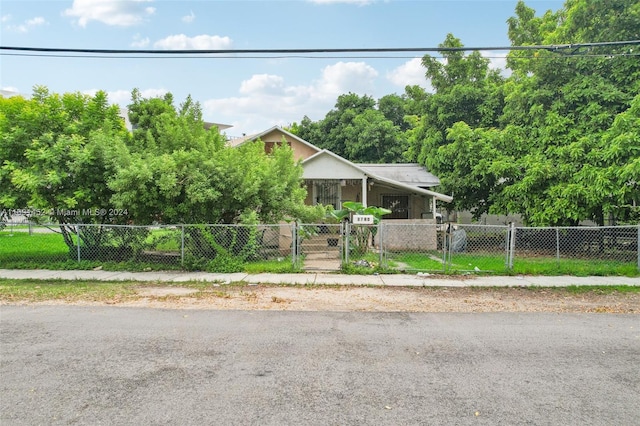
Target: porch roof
<point x="409" y="173"/>
<point x="378" y="178"/>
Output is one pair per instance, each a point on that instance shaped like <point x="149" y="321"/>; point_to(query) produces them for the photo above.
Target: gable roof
<point x="239" y="141"/>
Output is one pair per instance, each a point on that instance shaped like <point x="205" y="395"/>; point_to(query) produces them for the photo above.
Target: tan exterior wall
<point x="351" y="193"/>
<point x="409" y="234"/>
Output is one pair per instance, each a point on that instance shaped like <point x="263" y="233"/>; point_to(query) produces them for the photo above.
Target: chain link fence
<point x="606" y="246"/>
<point x="452" y="248"/>
<point x="420" y="247"/>
<point x="219" y="248"/>
<point x="402" y="246"/>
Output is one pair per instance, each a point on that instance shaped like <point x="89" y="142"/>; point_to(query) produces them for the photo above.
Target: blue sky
<point x="252" y="94"/>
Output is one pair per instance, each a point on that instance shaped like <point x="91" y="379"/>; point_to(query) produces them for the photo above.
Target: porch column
<point x="364" y="191"/>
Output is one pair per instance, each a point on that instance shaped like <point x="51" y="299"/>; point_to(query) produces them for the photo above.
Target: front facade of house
<point x="330" y="179"/>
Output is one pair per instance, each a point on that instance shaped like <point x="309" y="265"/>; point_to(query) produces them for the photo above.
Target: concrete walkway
<point x="400" y="280"/>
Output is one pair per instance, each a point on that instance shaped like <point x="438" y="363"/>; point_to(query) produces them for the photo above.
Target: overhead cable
<point x="571" y="48"/>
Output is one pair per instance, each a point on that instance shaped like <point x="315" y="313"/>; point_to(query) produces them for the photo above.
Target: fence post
<point x="507" y="246"/>
<point x="638" y="247"/>
<point x="78" y="241"/>
<point x="445" y="246"/>
<point x="512" y="245"/>
<point x="294" y="244"/>
<point x="380" y="245"/>
<point x="557" y="245"/>
<point x="449" y="240"/>
<point x="347" y="238"/>
<point x="182" y="245"/>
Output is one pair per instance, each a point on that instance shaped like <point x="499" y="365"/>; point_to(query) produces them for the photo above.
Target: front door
<point x="327" y="192"/>
<point x="398" y="204"/>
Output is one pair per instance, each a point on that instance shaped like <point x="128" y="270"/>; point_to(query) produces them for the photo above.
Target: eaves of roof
<point x="382" y="179"/>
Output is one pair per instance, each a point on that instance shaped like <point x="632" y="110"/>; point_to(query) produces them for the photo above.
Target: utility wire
<point x="102" y="56"/>
<point x="573" y="48"/>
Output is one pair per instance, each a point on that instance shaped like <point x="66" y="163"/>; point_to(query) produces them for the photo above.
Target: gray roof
<point x="411" y="174"/>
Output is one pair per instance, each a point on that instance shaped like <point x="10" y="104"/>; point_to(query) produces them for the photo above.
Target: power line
<point x="100" y="56"/>
<point x="561" y="48"/>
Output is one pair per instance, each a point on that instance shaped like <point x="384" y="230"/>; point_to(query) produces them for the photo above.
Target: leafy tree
<point x="59" y="152"/>
<point x="182" y="173"/>
<point x="357" y="131"/>
<point x="394" y="109"/>
<point x="533" y="144"/>
<point x="566" y="103"/>
<point x="468" y="96"/>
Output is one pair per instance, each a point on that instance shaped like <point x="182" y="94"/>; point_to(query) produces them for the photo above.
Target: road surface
<point x="130" y="366"/>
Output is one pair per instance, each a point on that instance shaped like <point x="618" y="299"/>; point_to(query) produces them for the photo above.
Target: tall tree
<point x="59" y="152"/>
<point x="357" y="131"/>
<point x="566" y="103"/>
<point x="467" y="91"/>
<point x="183" y="173"/>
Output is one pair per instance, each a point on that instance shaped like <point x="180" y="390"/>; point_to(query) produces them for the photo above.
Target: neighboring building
<point x="405" y="189"/>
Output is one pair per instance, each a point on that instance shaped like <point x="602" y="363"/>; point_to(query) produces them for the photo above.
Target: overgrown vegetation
<point x="556" y="141"/>
<point x="68" y="160"/>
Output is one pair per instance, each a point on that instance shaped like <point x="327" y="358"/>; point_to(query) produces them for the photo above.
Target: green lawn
<point x="19" y="250"/>
<point x="462" y="262"/>
<point x="20" y="246"/>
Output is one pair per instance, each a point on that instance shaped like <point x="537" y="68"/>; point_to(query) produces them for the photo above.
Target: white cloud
<point x="200" y="42"/>
<point x="110" y="12"/>
<point x="9" y="91"/>
<point x="138" y="41"/>
<point x="5" y="18"/>
<point x="346" y="77"/>
<point x="263" y="84"/>
<point x="266" y="100"/>
<point x="26" y="26"/>
<point x="498" y="60"/>
<point x="189" y="18"/>
<point x="408" y="74"/>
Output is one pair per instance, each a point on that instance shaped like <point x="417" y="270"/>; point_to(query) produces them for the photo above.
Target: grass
<point x="20" y="246"/>
<point x="35" y="290"/>
<point x="277" y="266"/>
<point x="460" y="262"/>
<point x="20" y="250"/>
<point x="577" y="267"/>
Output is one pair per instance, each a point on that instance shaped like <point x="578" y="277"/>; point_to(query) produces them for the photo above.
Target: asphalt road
<point x="126" y="366"/>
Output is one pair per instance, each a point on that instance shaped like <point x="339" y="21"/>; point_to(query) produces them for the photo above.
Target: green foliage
<point x="359" y="132"/>
<point x="59" y="152"/>
<point x="360" y="235"/>
<point x="557" y="141"/>
<point x="181" y="173"/>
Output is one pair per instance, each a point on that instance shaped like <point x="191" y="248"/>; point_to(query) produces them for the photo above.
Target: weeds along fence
<point x="407" y="246"/>
<point x="223" y="248"/>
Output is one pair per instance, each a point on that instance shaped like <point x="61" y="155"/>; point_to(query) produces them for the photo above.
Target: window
<point x="327" y="192"/>
<point x="398" y="204"/>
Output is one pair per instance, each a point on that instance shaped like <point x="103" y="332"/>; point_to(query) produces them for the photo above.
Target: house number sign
<point x="362" y="219"/>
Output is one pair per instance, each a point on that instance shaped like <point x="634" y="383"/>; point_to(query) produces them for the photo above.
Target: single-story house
<point x="405" y="189"/>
